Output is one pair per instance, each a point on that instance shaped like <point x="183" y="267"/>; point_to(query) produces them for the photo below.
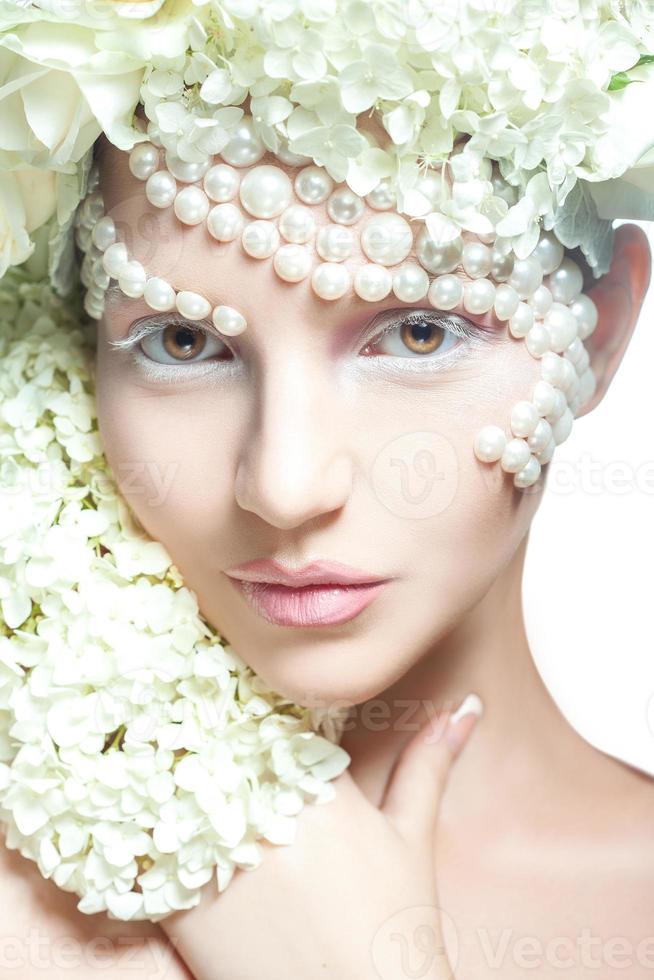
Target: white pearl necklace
<point x="539" y="297"/>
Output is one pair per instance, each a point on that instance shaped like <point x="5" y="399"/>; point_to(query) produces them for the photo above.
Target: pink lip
<point x="309" y="605"/>
<point x="318" y="594"/>
<point x="315" y="573"/>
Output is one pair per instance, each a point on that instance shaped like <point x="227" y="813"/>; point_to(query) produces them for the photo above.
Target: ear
<point x="619" y="296"/>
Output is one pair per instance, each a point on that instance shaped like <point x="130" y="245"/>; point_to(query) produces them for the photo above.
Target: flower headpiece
<point x="504" y="133"/>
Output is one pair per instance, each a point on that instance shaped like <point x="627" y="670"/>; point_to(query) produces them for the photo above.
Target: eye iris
<point x="183" y="342"/>
<point x="422" y="336"/>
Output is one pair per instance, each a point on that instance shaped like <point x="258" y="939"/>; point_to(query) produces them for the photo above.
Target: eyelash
<point x="475" y="336"/>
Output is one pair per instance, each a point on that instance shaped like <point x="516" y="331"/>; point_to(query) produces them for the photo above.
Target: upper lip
<point x="315" y="573"/>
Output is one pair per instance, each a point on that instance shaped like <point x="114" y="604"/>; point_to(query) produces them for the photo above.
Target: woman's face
<point x="309" y="436"/>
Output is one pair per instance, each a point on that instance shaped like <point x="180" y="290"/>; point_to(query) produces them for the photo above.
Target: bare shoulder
<point x="43" y="934"/>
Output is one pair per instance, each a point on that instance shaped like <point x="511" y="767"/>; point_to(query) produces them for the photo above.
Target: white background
<point x="588" y="588"/>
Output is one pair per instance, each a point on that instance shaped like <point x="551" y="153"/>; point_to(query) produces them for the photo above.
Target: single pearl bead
<point x="143" y="160"/>
<point x="160" y="189"/>
<point x="541" y="301"/>
<point x="524" y="418"/>
<point x="192" y="305"/>
<point x="334" y="242"/>
<point x="344" y="206"/>
<point x="528" y="475"/>
<point x="94" y="310"/>
<point x="438" y="256"/>
<point x="83" y="237"/>
<point x="221" y="183"/>
<point x="516" y="455"/>
<point x="568" y="375"/>
<point x="476" y="259"/>
<point x="445" y="292"/>
<point x="291" y="159"/>
<point x="561" y="325"/>
<point x="410" y="283"/>
<point x="225" y="222"/>
<point x="502" y="264"/>
<point x="522" y="321"/>
<point x="191" y="205"/>
<point x="297" y="224"/>
<point x="330" y="280"/>
<point x="506" y="301"/>
<point x="558" y="407"/>
<point x="372" y="282"/>
<point x="562" y="427"/>
<point x="538" y="340"/>
<point x="526" y="277"/>
<point x="382" y="197"/>
<point x="292" y="262"/>
<point x="549" y="252"/>
<point x="132" y="279"/>
<point x="574" y="351"/>
<point x="260" y="238"/>
<point x="313" y="185"/>
<point x="540" y="437"/>
<point x="159" y="295"/>
<point x="100" y="277"/>
<point x="545" y="455"/>
<point x="187" y="172"/>
<point x="114" y="259"/>
<point x="489" y="444"/>
<point x="229" y="321"/>
<point x="265" y="191"/>
<point x="566" y="282"/>
<point x="387" y="239"/>
<point x="585" y="310"/>
<point x="244" y="147"/>
<point x="551" y="368"/>
<point x="104" y="233"/>
<point x="478" y="296"/>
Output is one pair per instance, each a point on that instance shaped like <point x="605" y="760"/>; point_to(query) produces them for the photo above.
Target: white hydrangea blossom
<point x="530" y="85"/>
<point x="139" y="755"/>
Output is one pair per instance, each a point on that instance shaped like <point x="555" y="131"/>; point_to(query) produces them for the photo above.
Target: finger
<point x="416" y="785"/>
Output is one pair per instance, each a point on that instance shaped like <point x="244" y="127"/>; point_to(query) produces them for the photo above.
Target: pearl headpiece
<point x="270" y="215"/>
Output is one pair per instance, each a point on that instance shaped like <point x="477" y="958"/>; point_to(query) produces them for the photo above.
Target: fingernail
<point x="471" y="705"/>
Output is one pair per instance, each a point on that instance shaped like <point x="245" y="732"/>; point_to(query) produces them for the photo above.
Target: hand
<point x="318" y="908"/>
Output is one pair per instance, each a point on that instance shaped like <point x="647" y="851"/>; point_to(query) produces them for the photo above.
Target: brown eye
<point x="421" y="336"/>
<point x="183" y="342"/>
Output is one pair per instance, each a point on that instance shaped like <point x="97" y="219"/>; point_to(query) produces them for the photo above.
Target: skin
<point x="255" y="467"/>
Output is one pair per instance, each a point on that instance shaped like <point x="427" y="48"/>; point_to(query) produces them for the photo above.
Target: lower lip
<point x="312" y="605"/>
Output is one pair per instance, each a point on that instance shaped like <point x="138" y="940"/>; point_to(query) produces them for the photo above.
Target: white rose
<point x="15" y="243"/>
<point x="60" y="92"/>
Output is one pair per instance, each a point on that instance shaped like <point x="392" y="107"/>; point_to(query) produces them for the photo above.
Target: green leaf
<point x="621" y="79"/>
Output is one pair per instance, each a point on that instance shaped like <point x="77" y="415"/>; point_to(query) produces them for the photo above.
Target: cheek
<point x="169" y="461"/>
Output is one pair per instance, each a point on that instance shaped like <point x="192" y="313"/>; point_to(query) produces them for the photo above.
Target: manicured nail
<point x="471" y="705"/>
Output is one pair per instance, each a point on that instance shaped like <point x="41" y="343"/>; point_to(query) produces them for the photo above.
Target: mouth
<point x="325" y="604"/>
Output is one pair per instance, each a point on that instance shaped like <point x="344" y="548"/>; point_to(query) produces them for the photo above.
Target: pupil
<point x="422" y="331"/>
<point x="183" y="342"/>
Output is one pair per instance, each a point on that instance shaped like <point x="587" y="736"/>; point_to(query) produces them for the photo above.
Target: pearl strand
<point x="538" y="296"/>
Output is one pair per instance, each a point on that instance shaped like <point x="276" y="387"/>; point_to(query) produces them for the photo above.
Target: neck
<point x="512" y="745"/>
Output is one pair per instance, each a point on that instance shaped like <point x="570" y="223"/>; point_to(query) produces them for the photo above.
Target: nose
<point x="295" y="463"/>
